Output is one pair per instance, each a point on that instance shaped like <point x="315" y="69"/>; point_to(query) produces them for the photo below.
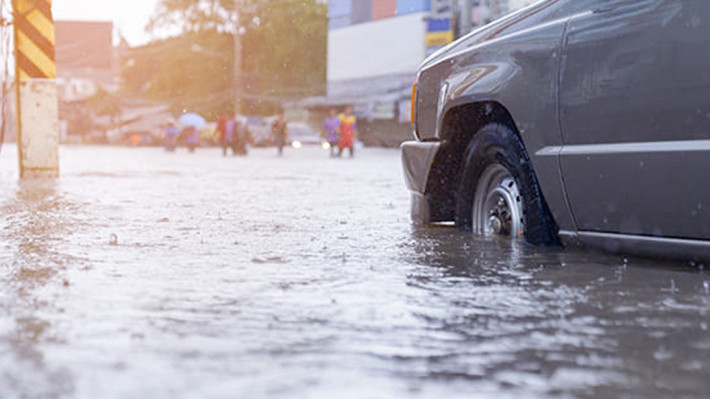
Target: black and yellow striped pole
<point x="35" y="74"/>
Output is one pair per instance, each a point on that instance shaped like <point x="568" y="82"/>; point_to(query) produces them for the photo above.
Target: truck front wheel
<point x="497" y="191"/>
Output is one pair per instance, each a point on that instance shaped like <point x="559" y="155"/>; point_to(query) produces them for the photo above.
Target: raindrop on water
<point x="706" y="286"/>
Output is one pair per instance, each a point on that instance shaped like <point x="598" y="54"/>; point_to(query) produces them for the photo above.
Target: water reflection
<point x="34" y="225"/>
<point x="301" y="276"/>
<point x="555" y="321"/>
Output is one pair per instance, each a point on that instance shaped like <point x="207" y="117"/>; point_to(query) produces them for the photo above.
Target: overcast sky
<point x="129" y="16"/>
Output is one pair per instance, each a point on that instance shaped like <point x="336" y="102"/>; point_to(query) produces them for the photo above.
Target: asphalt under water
<point x="140" y="273"/>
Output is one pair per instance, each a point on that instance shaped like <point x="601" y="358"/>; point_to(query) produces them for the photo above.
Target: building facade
<point x="87" y="62"/>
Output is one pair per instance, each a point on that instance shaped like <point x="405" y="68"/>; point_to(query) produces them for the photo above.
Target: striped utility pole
<point x="36" y="90"/>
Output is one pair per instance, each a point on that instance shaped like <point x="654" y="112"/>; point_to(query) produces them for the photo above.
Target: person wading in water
<point x="348" y="131"/>
<point x="279" y="132"/>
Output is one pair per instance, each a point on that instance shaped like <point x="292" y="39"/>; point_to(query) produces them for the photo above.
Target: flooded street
<point x="146" y="274"/>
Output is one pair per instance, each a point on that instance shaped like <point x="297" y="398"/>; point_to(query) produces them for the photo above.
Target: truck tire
<point x="498" y="193"/>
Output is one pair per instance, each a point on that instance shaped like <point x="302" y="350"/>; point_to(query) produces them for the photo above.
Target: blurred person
<point x="230" y="139"/>
<point x="279" y="132"/>
<point x="348" y="131"/>
<point x="331" y="130"/>
<point x="242" y="137"/>
<point x="191" y="138"/>
<point x="225" y="133"/>
<point x="170" y="135"/>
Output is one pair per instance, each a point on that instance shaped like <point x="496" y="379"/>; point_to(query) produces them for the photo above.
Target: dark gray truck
<point x="581" y="121"/>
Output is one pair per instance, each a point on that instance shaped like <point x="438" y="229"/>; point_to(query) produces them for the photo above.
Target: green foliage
<point x="190" y="72"/>
<point x="285" y="48"/>
<point x="192" y="15"/>
<point x="283" y="55"/>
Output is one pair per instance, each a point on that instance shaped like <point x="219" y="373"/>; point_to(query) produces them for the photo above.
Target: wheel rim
<point x="497" y="204"/>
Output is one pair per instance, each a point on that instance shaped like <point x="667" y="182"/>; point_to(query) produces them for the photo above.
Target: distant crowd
<point x="339" y="131"/>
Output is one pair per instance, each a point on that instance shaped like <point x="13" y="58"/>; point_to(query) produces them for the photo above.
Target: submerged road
<point x="145" y="274"/>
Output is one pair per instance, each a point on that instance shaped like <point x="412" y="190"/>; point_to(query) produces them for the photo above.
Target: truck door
<point x="635" y="117"/>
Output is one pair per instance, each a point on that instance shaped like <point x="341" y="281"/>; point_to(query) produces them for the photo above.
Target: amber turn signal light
<point x="414" y="102"/>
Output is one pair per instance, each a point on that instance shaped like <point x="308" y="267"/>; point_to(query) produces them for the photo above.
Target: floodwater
<point x="145" y="274"/>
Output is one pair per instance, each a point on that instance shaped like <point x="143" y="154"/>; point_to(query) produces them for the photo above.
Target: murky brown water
<point x="143" y="274"/>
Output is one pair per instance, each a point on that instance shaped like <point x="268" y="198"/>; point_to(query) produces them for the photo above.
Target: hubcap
<point x="497" y="204"/>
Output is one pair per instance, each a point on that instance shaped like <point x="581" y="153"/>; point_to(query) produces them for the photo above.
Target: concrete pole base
<point x="38" y="139"/>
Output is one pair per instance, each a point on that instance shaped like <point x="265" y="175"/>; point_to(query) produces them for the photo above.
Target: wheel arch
<point x="458" y="128"/>
<point x="458" y="131"/>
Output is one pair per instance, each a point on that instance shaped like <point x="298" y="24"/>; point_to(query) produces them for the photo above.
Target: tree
<point x="190" y="72"/>
<point x="285" y="47"/>
<point x="283" y="54"/>
<point x="193" y="15"/>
